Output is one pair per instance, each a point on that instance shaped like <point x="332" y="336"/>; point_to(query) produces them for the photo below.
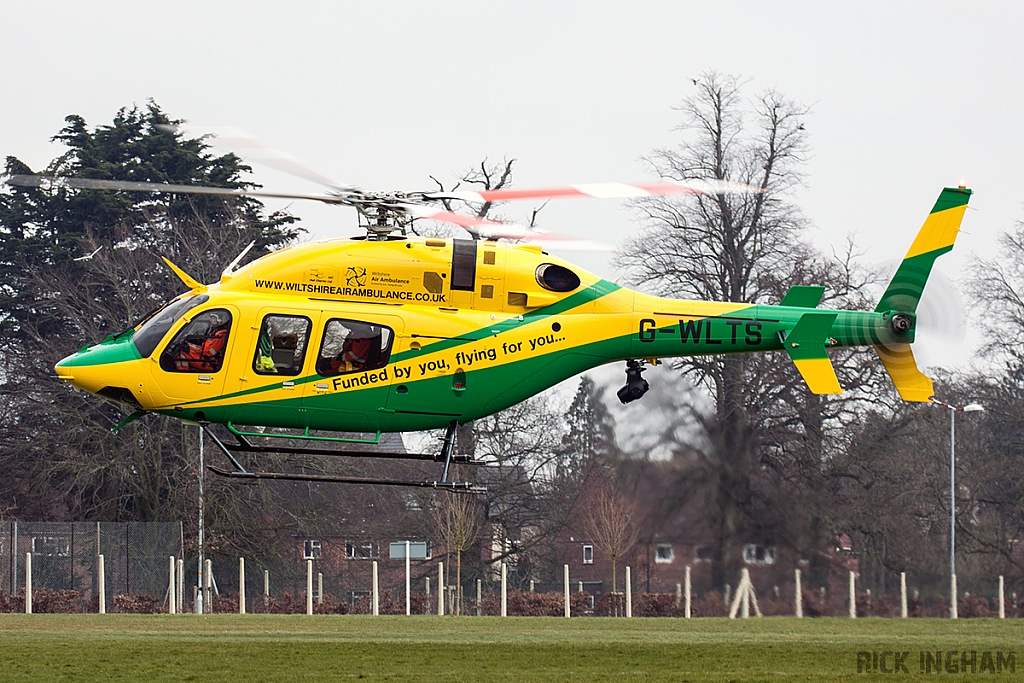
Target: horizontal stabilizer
<point x="803" y="296"/>
<point x="805" y="344"/>
<point x="911" y="383"/>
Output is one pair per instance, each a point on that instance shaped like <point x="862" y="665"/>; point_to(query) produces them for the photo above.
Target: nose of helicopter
<point x="98" y="369"/>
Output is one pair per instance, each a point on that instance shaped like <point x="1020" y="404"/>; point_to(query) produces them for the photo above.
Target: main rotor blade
<point x="601" y="191"/>
<point x="256" y="150"/>
<point x="134" y="186"/>
<point x="482" y="228"/>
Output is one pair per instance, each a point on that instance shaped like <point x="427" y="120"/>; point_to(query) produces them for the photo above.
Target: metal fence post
<point x="309" y="586"/>
<point x="266" y="589"/>
<point x="319" y="588"/>
<point x="1002" y="603"/>
<point x="479" y="598"/>
<point x="208" y="588"/>
<point x="241" y="585"/>
<point x="181" y="586"/>
<point x="28" y="583"/>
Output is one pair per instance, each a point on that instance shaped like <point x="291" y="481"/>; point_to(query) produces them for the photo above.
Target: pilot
<point x="206" y="354"/>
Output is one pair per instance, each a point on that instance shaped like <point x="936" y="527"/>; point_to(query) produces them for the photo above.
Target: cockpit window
<point x="199" y="345"/>
<point x="154" y="329"/>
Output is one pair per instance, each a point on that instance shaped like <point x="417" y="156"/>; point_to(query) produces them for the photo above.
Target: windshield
<point x="154" y="329"/>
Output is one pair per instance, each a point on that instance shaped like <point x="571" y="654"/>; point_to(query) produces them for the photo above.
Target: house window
<point x="588" y="554"/>
<point x="758" y="554"/>
<point x="702" y="553"/>
<point x="664" y="554"/>
<point x="311" y="550"/>
<point x="51" y="546"/>
<point x="361" y="550"/>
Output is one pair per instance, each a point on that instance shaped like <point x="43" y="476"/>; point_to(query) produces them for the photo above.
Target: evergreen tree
<point x="60" y="459"/>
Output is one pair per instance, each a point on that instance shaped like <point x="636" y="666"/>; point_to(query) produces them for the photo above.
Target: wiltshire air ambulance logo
<point x="355" y="277"/>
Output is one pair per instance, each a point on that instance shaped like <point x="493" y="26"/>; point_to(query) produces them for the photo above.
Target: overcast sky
<point x="906" y="97"/>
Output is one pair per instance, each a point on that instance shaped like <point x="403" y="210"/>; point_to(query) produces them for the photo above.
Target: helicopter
<point x="392" y="332"/>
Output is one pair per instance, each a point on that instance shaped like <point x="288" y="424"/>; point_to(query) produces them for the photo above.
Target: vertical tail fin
<point x="903" y="294"/>
<point x="935" y="238"/>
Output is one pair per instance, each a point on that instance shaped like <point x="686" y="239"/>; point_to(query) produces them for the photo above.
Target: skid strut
<point x="446" y="456"/>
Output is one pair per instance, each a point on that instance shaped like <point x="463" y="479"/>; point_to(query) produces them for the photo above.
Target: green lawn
<point x="253" y="648"/>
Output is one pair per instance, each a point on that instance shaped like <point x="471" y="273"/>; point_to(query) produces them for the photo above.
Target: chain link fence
<point x="65" y="557"/>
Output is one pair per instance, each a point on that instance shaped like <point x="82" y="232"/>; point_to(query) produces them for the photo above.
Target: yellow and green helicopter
<point x="393" y="333"/>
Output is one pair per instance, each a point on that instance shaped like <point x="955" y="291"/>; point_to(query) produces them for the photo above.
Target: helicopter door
<point x="352" y="375"/>
<point x="191" y="367"/>
<point x="270" y="373"/>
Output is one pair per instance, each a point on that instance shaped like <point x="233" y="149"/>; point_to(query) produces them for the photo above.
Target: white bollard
<point x="427" y="606"/>
<point x="266" y="588"/>
<point x="853" y="598"/>
<point x="479" y="598"/>
<point x="531" y="585"/>
<point x="565" y="584"/>
<point x="241" y="585"/>
<point x="629" y="595"/>
<point x="1002" y="604"/>
<point x="375" y="594"/>
<point x="440" y="589"/>
<point x="686" y="593"/>
<point x="309" y="586"/>
<point x="955" y="596"/>
<point x="504" y="590"/>
<point x="172" y="602"/>
<point x="319" y="588"/>
<point x="903" y="595"/>
<point x="679" y="594"/>
<point x="799" y="596"/>
<point x="28" y="583"/>
<point x="102" y="585"/>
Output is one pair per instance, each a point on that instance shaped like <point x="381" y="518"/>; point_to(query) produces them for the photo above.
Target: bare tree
<point x="458" y="521"/>
<point x="609" y="522"/>
<point x="743" y="248"/>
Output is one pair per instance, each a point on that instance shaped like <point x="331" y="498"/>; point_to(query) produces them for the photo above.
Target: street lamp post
<point x="953" y="410"/>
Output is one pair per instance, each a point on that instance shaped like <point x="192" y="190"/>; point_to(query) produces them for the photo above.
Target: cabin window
<point x="557" y="278"/>
<point x="199" y="346"/>
<point x="281" y="346"/>
<point x="464" y="265"/>
<point x="353" y="346"/>
<point x="156" y="325"/>
<point x="588" y="553"/>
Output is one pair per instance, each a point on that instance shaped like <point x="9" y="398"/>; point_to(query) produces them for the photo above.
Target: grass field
<point x="253" y="648"/>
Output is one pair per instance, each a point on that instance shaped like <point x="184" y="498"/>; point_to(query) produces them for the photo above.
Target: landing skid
<point x="446" y="456"/>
